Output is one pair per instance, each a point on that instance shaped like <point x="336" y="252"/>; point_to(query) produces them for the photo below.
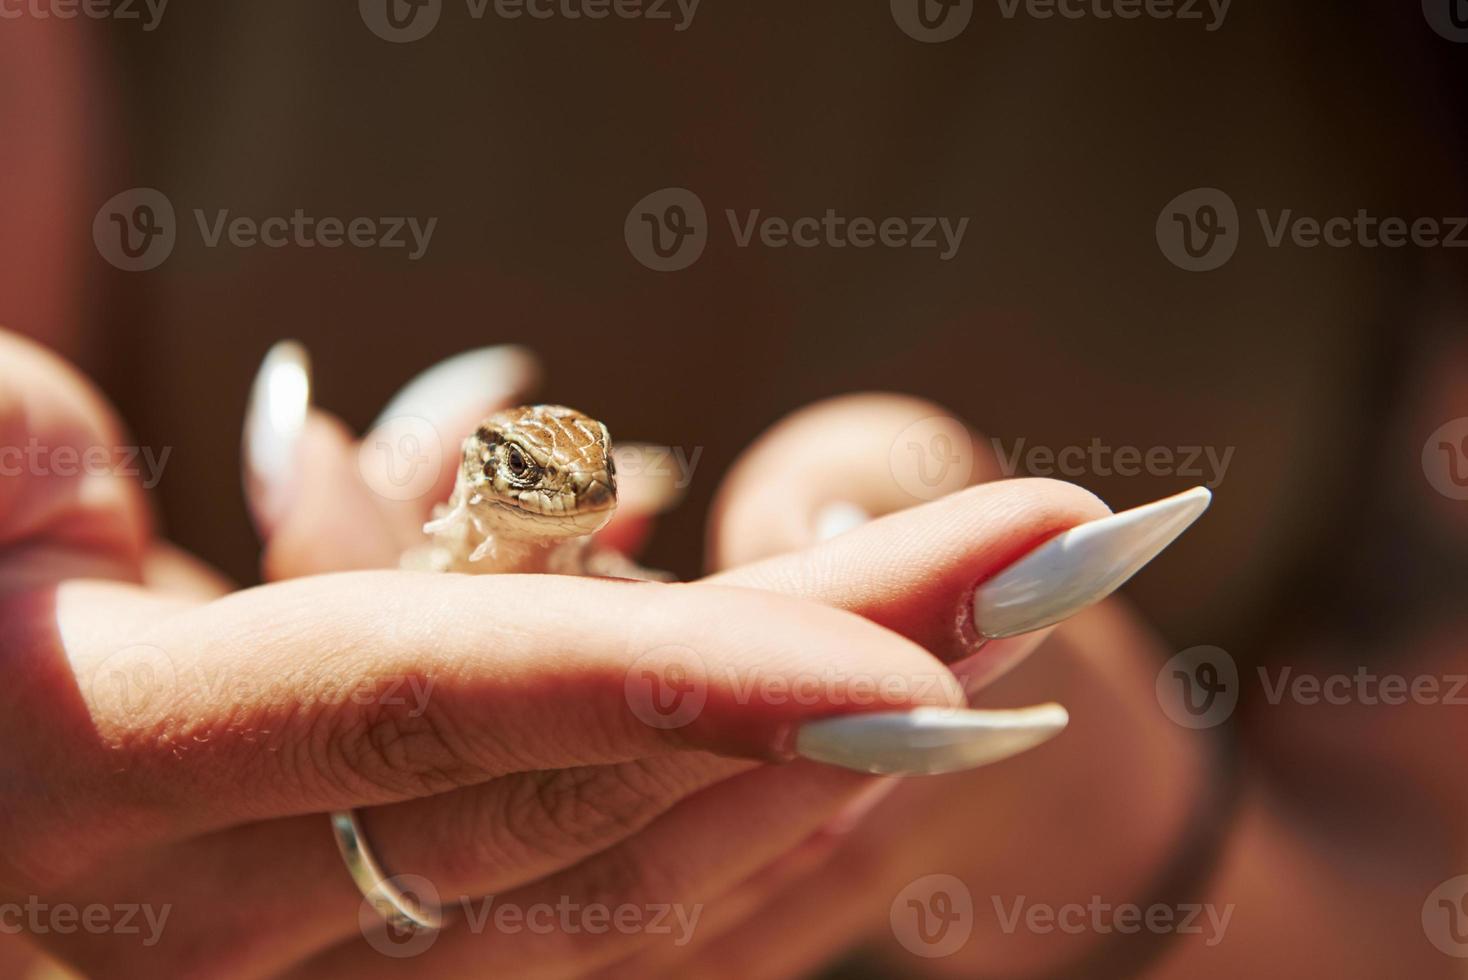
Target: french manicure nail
<point x="927" y="741"/>
<point x="488" y="375"/>
<point x="1081" y="566"/>
<point x="274" y="420"/>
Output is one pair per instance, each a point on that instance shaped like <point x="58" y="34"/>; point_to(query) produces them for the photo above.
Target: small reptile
<point x="533" y="485"/>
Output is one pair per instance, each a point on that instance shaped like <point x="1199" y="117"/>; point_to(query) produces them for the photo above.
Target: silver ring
<point x="396" y="906"/>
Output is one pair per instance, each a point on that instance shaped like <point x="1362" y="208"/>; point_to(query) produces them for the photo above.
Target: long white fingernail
<point x="1082" y="565"/>
<point x="274" y="420"/>
<point x="488" y="375"/>
<point x="838" y="517"/>
<point x="927" y="741"/>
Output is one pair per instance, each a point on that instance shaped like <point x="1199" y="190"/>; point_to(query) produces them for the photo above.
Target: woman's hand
<point x="171" y="750"/>
<point x="914" y="573"/>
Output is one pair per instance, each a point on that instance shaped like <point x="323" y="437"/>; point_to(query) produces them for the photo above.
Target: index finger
<point x="363" y="688"/>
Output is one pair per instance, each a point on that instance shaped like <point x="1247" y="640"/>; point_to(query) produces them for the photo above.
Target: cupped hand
<point x="173" y="747"/>
<point x="913" y="573"/>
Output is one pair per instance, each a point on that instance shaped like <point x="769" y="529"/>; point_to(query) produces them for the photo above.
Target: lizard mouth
<point x="534" y="513"/>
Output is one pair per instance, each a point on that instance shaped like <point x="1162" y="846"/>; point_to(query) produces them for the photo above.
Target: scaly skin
<point x="533" y="484"/>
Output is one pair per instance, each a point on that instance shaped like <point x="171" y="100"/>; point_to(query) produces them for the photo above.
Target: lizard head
<point x="540" y="471"/>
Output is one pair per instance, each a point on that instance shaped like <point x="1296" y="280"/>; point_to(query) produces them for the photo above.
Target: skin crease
<point x="1295" y="418"/>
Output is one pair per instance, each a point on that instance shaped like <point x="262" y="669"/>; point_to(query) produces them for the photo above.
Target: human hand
<point x="914" y="572"/>
<point x="172" y="747"/>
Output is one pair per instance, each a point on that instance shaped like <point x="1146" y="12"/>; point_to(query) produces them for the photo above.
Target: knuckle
<point x="573" y="811"/>
<point x="383" y="747"/>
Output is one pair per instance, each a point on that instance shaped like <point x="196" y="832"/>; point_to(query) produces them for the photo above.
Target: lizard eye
<point x="519" y="465"/>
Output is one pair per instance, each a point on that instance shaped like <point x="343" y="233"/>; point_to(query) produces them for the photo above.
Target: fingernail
<point x="838" y="517"/>
<point x="274" y="420"/>
<point x="488" y="375"/>
<point x="1081" y="566"/>
<point x="927" y="741"/>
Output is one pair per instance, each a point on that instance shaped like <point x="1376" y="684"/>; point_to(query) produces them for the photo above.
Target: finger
<point x="680" y="864"/>
<point x="323" y="502"/>
<point x="410" y="452"/>
<point x="360" y="688"/>
<point x="977" y="575"/>
<point x="61" y="458"/>
<point x="286" y="878"/>
<point x="829" y="467"/>
<point x="914" y="572"/>
<point x="1102" y="664"/>
<point x="172" y="570"/>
